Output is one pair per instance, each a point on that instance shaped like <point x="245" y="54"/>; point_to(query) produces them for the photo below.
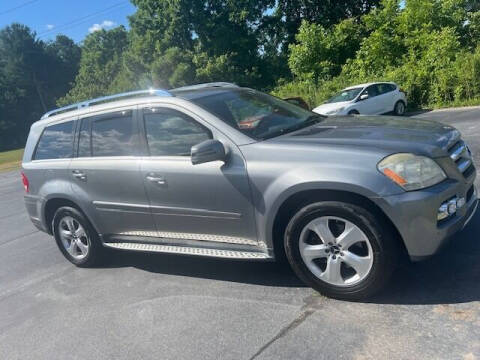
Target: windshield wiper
<point x="309" y="121"/>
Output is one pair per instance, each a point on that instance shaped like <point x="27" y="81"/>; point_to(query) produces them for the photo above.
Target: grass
<point x="457" y="103"/>
<point x="10" y="160"/>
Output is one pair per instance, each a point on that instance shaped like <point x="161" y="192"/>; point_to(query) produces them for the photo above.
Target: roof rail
<point x="87" y="103"/>
<point x="206" y="85"/>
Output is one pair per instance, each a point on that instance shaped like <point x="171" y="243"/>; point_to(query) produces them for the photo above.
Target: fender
<point x="62" y="189"/>
<point x="303" y="179"/>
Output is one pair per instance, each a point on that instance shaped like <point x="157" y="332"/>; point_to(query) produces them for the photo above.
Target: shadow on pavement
<point x="452" y="276"/>
<point x="417" y="112"/>
<point x="250" y="272"/>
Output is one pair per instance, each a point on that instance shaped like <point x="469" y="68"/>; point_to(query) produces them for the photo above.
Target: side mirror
<point x="207" y="151"/>
<point x="363" y="97"/>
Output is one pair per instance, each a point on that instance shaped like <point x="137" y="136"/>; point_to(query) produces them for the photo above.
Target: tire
<point x="374" y="259"/>
<point x="353" y="112"/>
<point x="399" y="108"/>
<point x="87" y="248"/>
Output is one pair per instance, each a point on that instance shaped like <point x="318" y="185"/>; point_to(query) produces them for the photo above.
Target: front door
<point x="206" y="202"/>
<point x="371" y="104"/>
<point x="106" y="174"/>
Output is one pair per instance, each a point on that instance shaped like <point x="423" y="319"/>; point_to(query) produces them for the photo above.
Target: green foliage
<point x="33" y="75"/>
<point x="173" y="68"/>
<point x="178" y="42"/>
<point x="288" y="15"/>
<point x="429" y="47"/>
<point x="100" y="64"/>
<point x="320" y="53"/>
<point x="10" y="160"/>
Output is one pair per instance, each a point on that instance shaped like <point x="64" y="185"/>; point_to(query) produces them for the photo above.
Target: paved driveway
<point x="145" y="306"/>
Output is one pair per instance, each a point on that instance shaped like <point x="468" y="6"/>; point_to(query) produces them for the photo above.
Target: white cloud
<point x="106" y="24"/>
<point x="49" y="26"/>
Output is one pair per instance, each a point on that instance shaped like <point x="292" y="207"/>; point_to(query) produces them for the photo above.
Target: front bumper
<point x="415" y="216"/>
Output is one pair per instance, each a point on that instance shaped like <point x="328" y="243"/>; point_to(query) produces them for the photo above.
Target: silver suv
<point x="223" y="171"/>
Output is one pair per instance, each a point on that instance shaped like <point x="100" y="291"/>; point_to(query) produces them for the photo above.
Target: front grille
<point x="461" y="155"/>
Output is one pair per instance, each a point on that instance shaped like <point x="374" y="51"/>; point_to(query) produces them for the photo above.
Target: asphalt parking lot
<point x="150" y="306"/>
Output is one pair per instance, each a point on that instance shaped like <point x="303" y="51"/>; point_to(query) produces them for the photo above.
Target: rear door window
<point x="56" y="142"/>
<point x="113" y="134"/>
<point x="385" y="88"/>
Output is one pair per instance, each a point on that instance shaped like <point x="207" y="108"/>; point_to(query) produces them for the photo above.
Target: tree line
<point x="33" y="76"/>
<point x="309" y="48"/>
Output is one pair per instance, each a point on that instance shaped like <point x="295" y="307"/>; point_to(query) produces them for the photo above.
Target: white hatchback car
<point x="371" y="98"/>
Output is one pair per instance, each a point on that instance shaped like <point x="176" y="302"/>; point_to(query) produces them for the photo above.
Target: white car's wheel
<point x="399" y="108"/>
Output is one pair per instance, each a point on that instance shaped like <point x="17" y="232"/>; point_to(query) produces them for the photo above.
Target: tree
<point x="63" y="61"/>
<point x="320" y="53"/>
<point x="100" y="64"/>
<point x="33" y="75"/>
<point x="225" y="31"/>
<point x="288" y="16"/>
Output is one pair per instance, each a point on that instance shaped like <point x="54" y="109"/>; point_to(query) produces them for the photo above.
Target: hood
<point x="324" y="109"/>
<point x="392" y="134"/>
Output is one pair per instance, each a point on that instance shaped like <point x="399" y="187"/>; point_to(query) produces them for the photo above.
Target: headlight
<point x="411" y="172"/>
<point x="334" y="111"/>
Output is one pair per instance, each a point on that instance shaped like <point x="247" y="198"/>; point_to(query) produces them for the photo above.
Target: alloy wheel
<point x="74" y="238"/>
<point x="336" y="251"/>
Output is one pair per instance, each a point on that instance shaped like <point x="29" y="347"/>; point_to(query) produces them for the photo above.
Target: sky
<point x="74" y="18"/>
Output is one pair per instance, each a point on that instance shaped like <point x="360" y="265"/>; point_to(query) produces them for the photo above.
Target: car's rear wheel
<point x="339" y="249"/>
<point x="76" y="238"/>
<point x="399" y="108"/>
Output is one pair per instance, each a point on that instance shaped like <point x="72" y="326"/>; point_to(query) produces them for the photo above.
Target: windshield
<point x="345" y="95"/>
<point x="256" y="114"/>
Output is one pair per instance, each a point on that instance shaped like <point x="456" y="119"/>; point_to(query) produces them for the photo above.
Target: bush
<point x="428" y="47"/>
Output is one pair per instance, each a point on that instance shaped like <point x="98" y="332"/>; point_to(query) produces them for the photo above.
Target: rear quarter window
<point x="56" y="142"/>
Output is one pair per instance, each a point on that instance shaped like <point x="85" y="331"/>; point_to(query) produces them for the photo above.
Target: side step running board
<point x="169" y="249"/>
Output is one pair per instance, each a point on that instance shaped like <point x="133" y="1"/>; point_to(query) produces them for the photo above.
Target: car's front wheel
<point x="340" y="249"/>
<point x="76" y="238"/>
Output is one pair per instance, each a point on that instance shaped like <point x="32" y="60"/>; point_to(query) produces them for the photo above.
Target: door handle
<point x="156" y="179"/>
<point x="80" y="175"/>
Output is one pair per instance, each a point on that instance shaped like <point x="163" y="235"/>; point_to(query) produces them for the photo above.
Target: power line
<point x="18" y="7"/>
<point x="81" y="20"/>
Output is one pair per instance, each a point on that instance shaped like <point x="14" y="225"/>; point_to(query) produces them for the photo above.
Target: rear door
<point x="106" y="174"/>
<point x="206" y="202"/>
<point x="386" y="98"/>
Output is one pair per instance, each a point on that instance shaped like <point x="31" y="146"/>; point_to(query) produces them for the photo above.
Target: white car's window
<point x="385" y="88"/>
<point x="345" y="95"/>
<point x="371" y="91"/>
